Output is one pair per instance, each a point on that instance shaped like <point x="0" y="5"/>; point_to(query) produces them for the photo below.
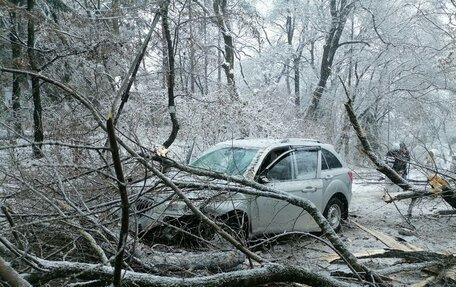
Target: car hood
<point x="194" y="187"/>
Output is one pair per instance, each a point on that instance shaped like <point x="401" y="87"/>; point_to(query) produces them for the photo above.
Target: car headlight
<point x="177" y="206"/>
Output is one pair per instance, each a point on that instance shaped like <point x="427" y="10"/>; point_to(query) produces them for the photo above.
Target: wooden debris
<point x="389" y="241"/>
<point x="445" y="212"/>
<point x="424" y="282"/>
<point x="366" y="253"/>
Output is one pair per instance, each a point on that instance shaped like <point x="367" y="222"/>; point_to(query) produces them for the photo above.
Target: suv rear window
<point x="329" y="160"/>
<point x="306" y="161"/>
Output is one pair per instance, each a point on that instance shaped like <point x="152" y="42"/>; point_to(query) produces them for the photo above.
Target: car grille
<point x="144" y="204"/>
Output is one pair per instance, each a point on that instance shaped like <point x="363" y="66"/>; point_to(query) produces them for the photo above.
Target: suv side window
<point x="281" y="170"/>
<point x="306" y="164"/>
<point x="329" y="160"/>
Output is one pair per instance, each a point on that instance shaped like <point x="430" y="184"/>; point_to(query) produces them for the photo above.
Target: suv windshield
<point x="229" y="160"/>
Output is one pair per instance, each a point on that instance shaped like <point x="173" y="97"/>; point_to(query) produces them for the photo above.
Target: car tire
<point x="333" y="213"/>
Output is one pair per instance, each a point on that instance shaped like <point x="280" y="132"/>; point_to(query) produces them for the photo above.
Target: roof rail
<point x="300" y="139"/>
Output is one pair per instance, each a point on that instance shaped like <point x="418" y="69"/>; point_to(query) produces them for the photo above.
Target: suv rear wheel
<point x="333" y="213"/>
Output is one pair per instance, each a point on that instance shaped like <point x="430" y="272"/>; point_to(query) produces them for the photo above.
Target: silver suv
<point x="302" y="167"/>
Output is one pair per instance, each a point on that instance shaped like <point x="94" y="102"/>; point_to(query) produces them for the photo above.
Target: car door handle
<point x="309" y="189"/>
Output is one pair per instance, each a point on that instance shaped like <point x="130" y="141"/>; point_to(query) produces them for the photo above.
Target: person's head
<point x="395" y="146"/>
<point x="402" y="146"/>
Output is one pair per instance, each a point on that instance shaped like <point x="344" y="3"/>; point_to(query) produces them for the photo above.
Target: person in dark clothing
<point x="399" y="159"/>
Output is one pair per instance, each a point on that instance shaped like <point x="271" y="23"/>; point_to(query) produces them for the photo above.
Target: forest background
<point x="245" y="69"/>
<point x="188" y="74"/>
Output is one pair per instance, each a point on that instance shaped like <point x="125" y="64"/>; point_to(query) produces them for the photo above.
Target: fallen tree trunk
<point x="44" y="271"/>
<point x="206" y="260"/>
<point x="441" y="265"/>
<point x="444" y="264"/>
<point x="251" y="277"/>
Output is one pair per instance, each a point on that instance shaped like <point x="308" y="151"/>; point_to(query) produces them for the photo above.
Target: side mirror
<point x="263" y="179"/>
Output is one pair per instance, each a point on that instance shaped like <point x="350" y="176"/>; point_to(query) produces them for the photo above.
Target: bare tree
<point x="38" y="133"/>
<point x="340" y="10"/>
<point x="170" y="73"/>
<point x="15" y="28"/>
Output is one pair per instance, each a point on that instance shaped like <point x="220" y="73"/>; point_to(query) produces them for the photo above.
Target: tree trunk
<point x="344" y="139"/>
<point x="206" y="61"/>
<point x="38" y="135"/>
<point x="290" y="31"/>
<point x="16" y="59"/>
<point x="224" y="26"/>
<point x="339" y="18"/>
<point x="192" y="49"/>
<point x="169" y="74"/>
<point x="117" y="278"/>
<point x="296" y="81"/>
<point x="116" y="15"/>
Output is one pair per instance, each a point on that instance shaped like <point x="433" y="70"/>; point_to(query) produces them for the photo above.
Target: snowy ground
<point x="424" y="230"/>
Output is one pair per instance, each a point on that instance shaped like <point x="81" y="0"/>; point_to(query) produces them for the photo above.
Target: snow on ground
<point x="425" y="229"/>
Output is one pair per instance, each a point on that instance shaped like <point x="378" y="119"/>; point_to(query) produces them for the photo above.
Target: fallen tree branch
<point x="414" y="191"/>
<point x="10" y="276"/>
<point x="369" y="152"/>
<point x="54" y="143"/>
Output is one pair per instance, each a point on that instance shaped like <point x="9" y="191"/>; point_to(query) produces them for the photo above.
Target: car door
<point x="295" y="172"/>
<point x="334" y="175"/>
